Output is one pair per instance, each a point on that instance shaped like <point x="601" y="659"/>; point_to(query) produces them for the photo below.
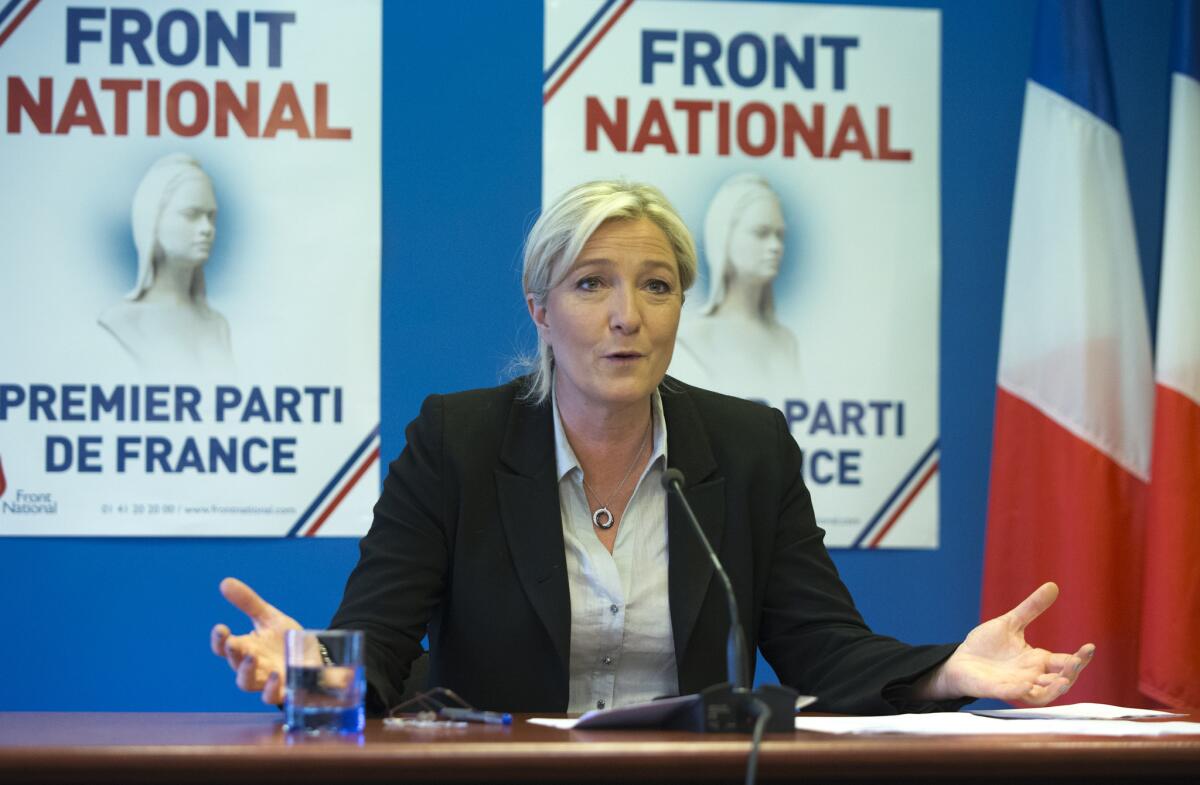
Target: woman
<point x="736" y="344"/>
<point x="525" y="529"/>
<point x="165" y="323"/>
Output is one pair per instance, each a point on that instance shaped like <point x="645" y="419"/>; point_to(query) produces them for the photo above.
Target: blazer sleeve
<point x="401" y="572"/>
<point x="811" y="632"/>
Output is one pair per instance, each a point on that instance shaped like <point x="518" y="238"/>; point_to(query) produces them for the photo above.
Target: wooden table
<point x="253" y="748"/>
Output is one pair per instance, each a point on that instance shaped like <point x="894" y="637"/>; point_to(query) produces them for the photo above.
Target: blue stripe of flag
<point x="577" y="40"/>
<point x="333" y="483"/>
<point x="1070" y="55"/>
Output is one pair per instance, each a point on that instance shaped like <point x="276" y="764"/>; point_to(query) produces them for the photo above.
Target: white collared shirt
<point x="622" y="644"/>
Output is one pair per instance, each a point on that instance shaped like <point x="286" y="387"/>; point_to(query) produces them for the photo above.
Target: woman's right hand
<point x="256" y="657"/>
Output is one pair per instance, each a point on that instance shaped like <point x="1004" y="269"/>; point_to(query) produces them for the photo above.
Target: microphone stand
<point x="730" y="707"/>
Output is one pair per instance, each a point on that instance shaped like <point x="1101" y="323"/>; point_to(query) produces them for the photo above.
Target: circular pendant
<point x="602" y="518"/>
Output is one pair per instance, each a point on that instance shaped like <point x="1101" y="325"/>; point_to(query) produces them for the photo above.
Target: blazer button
<point x="599" y="704"/>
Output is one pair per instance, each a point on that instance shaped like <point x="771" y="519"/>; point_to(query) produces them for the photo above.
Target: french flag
<point x="1071" y="446"/>
<point x="1170" y="656"/>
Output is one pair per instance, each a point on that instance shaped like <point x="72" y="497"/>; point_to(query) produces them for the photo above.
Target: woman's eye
<point x="659" y="286"/>
<point x="590" y="284"/>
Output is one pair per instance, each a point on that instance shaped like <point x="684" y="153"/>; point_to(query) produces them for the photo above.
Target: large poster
<point x="800" y="143"/>
<point x="190" y="268"/>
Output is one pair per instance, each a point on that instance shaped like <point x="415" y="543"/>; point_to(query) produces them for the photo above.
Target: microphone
<point x="731" y="706"/>
<point x="735" y="650"/>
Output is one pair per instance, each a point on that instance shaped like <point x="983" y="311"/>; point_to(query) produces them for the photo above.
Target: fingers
<point x="272" y="693"/>
<point x="1040" y="695"/>
<point x="1081" y="659"/>
<point x="247" y="601"/>
<point x="236" y="650"/>
<point x="246" y="673"/>
<point x="216" y="639"/>
<point x="1064" y="664"/>
<point x="1034" y="605"/>
<point x="252" y="677"/>
<point x="1062" y="670"/>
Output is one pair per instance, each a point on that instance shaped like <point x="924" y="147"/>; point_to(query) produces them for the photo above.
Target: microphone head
<point x="672" y="476"/>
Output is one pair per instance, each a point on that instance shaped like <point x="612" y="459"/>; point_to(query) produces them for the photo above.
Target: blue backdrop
<point x="122" y="624"/>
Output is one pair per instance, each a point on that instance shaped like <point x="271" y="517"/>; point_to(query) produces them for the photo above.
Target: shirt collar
<point x="564" y="456"/>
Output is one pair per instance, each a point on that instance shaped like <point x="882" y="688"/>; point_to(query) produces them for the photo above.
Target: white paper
<point x="957" y="723"/>
<point x="1075" y="711"/>
<point x="553" y="722"/>
<point x="650" y="714"/>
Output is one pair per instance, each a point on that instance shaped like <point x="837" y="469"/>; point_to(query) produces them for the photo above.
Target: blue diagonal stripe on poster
<point x="8" y="8"/>
<point x="587" y="29"/>
<point x="333" y="482"/>
<point x="908" y="478"/>
<point x="16" y="21"/>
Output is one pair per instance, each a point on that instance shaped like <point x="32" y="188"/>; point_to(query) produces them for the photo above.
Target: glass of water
<point x="325" y="681"/>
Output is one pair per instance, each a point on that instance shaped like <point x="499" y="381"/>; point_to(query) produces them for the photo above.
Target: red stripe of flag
<point x="1170" y="671"/>
<point x="1059" y="509"/>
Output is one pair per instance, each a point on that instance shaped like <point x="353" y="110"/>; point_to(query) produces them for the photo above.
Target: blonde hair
<point x="558" y="237"/>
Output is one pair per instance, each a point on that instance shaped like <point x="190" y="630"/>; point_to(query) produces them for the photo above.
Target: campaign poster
<point x="800" y="144"/>
<point x="189" y="201"/>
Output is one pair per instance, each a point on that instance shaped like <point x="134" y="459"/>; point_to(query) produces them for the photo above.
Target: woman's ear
<point x="537" y="314"/>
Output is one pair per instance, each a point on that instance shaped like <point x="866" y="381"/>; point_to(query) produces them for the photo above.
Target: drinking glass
<point x="325" y="681"/>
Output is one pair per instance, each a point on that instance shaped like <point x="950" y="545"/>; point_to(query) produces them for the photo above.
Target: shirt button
<point x="608" y="660"/>
<point x="614" y="609"/>
<point x="599" y="704"/>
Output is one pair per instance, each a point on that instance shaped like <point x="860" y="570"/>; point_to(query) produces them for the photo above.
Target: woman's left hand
<point x="996" y="662"/>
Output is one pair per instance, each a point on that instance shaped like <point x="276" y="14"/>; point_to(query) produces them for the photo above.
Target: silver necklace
<point x="602" y="518"/>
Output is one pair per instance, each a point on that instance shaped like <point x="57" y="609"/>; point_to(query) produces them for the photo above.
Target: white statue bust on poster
<point x="735" y="343"/>
<point x="165" y="322"/>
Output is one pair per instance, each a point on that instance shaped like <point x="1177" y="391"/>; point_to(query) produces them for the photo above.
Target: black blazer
<point x="467" y="544"/>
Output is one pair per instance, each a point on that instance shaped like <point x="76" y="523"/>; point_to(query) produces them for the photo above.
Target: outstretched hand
<point x="257" y="657"/>
<point x="996" y="662"/>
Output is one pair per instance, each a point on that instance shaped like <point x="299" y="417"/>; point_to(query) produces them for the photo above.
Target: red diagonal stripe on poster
<point x="612" y="20"/>
<point x="16" y="22"/>
<point x="3" y="484"/>
<point x="354" y="478"/>
<point x="878" y="538"/>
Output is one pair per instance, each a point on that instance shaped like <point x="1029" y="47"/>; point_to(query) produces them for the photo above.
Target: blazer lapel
<point x="530" y="514"/>
<point x="690" y="571"/>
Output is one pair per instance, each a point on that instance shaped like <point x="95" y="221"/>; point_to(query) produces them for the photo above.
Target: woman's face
<point x="187" y="225"/>
<point x="611" y="321"/>
<point x="756" y="241"/>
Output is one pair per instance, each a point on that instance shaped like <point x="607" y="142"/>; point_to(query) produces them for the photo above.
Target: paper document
<point x="562" y="723"/>
<point x="650" y="714"/>
<point x="961" y="723"/>
<point x="1075" y="711"/>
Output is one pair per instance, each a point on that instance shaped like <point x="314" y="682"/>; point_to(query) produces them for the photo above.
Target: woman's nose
<point x="624" y="314"/>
